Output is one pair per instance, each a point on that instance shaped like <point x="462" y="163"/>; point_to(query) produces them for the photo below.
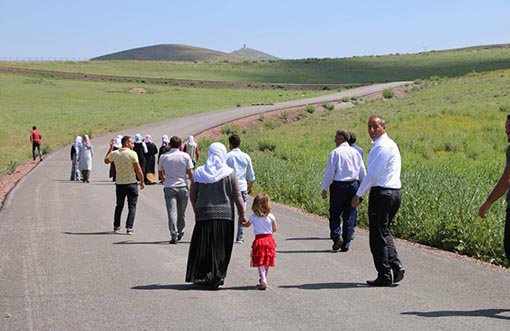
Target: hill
<point x="253" y="54"/>
<point x="169" y="52"/>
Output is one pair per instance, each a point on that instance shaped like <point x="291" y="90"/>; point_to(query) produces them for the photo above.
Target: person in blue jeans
<point x="243" y="168"/>
<point x="499" y="190"/>
<point x="344" y="171"/>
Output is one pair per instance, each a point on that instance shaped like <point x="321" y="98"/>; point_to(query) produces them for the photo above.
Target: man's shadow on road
<point x="492" y="313"/>
<point x="160" y="242"/>
<point x="91" y="233"/>
<point x="322" y="286"/>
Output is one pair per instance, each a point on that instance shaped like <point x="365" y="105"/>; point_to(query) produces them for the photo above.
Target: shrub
<point x="329" y="106"/>
<point x="11" y="167"/>
<point x="270" y="124"/>
<point x="261" y="117"/>
<point x="284" y="115"/>
<point x="345" y="99"/>
<point x="310" y="109"/>
<point x="238" y="105"/>
<point x="504" y="109"/>
<point x="354" y="98"/>
<point x="46" y="149"/>
<point x="326" y="88"/>
<point x="388" y="93"/>
<point x="266" y="145"/>
<point x="229" y="129"/>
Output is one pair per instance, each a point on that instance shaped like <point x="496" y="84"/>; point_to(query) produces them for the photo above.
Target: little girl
<point x="263" y="248"/>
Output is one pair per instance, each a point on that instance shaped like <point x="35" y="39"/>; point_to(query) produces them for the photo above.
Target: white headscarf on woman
<point x="191" y="142"/>
<point x="77" y="144"/>
<point x="215" y="168"/>
<point x="139" y="140"/>
<point x="118" y="142"/>
<point x="164" y="140"/>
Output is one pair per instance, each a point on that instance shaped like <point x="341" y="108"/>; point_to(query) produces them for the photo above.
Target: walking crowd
<point x="222" y="185"/>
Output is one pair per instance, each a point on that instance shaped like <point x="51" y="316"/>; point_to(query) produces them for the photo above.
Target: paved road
<point x="61" y="268"/>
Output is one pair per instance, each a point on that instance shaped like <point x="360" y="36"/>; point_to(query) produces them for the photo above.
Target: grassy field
<point x="452" y="140"/>
<point x="365" y="69"/>
<point x="64" y="108"/>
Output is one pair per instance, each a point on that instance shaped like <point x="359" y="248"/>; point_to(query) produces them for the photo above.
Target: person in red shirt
<point x="35" y="139"/>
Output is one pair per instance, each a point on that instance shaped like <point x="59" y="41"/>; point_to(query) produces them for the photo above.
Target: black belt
<point x="345" y="182"/>
<point x="380" y="188"/>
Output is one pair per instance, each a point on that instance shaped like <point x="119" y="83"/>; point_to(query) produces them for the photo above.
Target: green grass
<point x="452" y="141"/>
<point x="364" y="69"/>
<point x="64" y="108"/>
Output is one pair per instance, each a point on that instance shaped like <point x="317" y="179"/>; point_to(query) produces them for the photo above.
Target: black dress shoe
<point x="337" y="245"/>
<point x="173" y="241"/>
<point x="216" y="283"/>
<point x="398" y="274"/>
<point x="379" y="282"/>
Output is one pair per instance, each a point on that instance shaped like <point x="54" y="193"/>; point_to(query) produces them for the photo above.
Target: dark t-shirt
<point x="508" y="163"/>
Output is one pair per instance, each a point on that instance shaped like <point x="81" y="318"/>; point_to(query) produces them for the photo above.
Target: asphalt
<point x="61" y="268"/>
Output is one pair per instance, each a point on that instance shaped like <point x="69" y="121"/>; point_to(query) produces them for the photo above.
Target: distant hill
<point x="168" y="52"/>
<point x="174" y="52"/>
<point x="477" y="48"/>
<point x="254" y="54"/>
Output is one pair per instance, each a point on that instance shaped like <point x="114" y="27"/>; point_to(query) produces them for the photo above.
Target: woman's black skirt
<point x="210" y="251"/>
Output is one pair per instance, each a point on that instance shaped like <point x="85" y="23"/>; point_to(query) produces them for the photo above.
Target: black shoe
<point x="216" y="283"/>
<point x="173" y="241"/>
<point x="179" y="236"/>
<point x="345" y="246"/>
<point x="379" y="282"/>
<point x="337" y="245"/>
<point x="398" y="274"/>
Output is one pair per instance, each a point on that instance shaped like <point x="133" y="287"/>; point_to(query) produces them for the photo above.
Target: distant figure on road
<point x="263" y="248"/>
<point x="86" y="155"/>
<point x="175" y="168"/>
<point x="117" y="144"/>
<point x="35" y="139"/>
<point x="213" y="193"/>
<point x="344" y="171"/>
<point x="498" y="191"/>
<point x="165" y="147"/>
<point x="126" y="165"/>
<point x="150" y="159"/>
<point x="75" y="159"/>
<point x="140" y="150"/>
<point x="243" y="168"/>
<point x="352" y="143"/>
<point x="191" y="147"/>
<point x="383" y="181"/>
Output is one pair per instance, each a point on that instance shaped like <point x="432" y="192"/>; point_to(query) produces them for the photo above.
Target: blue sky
<point x="288" y="29"/>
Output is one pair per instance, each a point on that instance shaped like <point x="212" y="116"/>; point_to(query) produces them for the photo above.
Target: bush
<point x="11" y="167"/>
<point x="326" y="88"/>
<point x="284" y="115"/>
<point x="504" y="109"/>
<point x="46" y="149"/>
<point x="388" y="93"/>
<point x="229" y="129"/>
<point x="238" y="105"/>
<point x="261" y="117"/>
<point x="270" y="124"/>
<point x="345" y="99"/>
<point x="266" y="145"/>
<point x="329" y="106"/>
<point x="354" y="98"/>
<point x="310" y="109"/>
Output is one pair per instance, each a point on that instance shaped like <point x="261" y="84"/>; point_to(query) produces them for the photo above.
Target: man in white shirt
<point x="175" y="168"/>
<point x="383" y="181"/>
<point x="241" y="163"/>
<point x="344" y="171"/>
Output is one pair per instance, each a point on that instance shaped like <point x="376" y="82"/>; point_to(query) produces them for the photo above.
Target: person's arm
<point x="329" y="174"/>
<point x="500" y="189"/>
<point x="379" y="158"/>
<point x="190" y="173"/>
<point x="238" y="198"/>
<point x="250" y="176"/>
<point x="193" y="194"/>
<point x="246" y="224"/>
<point x="198" y="153"/>
<point x="107" y="159"/>
<point x="161" y="170"/>
<point x="31" y="137"/>
<point x="273" y="224"/>
<point x="139" y="173"/>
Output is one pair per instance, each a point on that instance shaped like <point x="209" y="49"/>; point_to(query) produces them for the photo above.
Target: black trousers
<point x="383" y="205"/>
<point x="506" y="239"/>
<point x="340" y="197"/>
<point x="131" y="192"/>
<point x="36" y="146"/>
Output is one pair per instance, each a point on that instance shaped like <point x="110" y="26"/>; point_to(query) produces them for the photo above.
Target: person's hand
<point x="324" y="194"/>
<point x="142" y="185"/>
<point x="355" y="201"/>
<point x="112" y="141"/>
<point x="249" y="190"/>
<point x="484" y="209"/>
<point x="243" y="220"/>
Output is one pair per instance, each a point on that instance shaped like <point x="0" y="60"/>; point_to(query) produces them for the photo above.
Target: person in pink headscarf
<point x="150" y="158"/>
<point x="86" y="154"/>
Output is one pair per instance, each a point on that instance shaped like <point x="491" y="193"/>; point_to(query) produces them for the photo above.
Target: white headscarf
<point x="215" y="168"/>
<point x="118" y="142"/>
<point x="191" y="142"/>
<point x="164" y="140"/>
<point x="139" y="140"/>
<point x="77" y="144"/>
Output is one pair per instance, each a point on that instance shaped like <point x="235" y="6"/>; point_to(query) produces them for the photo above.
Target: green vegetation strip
<point x="63" y="109"/>
<point x="355" y="70"/>
<point x="452" y="140"/>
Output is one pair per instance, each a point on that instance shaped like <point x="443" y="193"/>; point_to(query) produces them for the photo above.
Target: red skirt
<point x="263" y="250"/>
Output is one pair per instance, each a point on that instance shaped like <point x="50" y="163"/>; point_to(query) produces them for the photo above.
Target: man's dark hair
<point x="508" y="117"/>
<point x="124" y="140"/>
<point x="344" y="134"/>
<point x="175" y="142"/>
<point x="352" y="139"/>
<point x="34" y="127"/>
<point x="234" y="140"/>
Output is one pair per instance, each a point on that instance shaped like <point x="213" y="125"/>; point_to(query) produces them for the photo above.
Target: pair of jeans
<point x="383" y="205"/>
<point x="340" y="198"/>
<point x="240" y="228"/>
<point x="131" y="192"/>
<point x="176" y="199"/>
<point x="38" y="147"/>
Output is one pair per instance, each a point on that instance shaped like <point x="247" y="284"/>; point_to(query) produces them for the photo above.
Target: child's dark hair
<point x="261" y="205"/>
